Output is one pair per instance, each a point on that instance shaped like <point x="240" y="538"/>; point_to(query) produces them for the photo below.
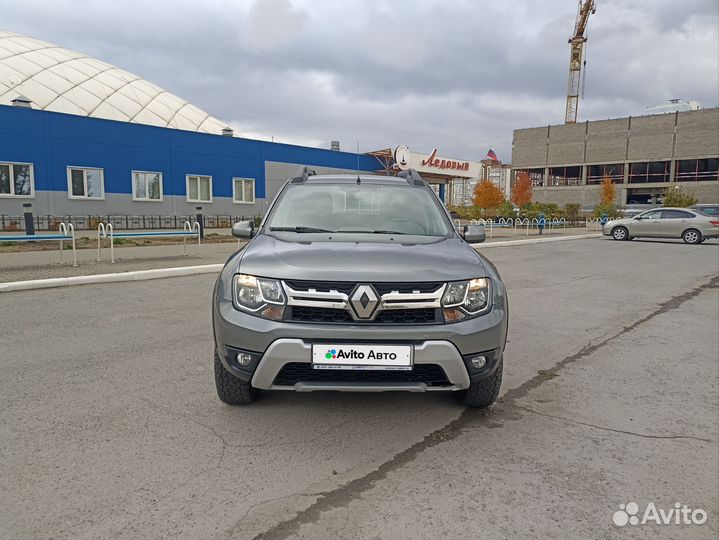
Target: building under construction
<point x="642" y="155"/>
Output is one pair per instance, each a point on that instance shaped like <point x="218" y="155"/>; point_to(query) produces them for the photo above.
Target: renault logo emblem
<point x="364" y="301"/>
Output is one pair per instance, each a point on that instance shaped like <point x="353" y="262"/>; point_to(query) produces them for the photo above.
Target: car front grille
<point x="318" y="315"/>
<point x="308" y="314"/>
<point x="295" y="372"/>
<point x="345" y="302"/>
<point x="347" y="287"/>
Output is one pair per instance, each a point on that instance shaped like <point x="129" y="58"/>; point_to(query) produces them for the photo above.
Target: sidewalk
<point x="30" y="265"/>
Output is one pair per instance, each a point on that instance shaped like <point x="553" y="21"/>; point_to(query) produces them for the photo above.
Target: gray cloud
<point x="459" y="75"/>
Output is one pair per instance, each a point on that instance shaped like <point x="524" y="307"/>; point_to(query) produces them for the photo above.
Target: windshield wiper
<point x="371" y="231"/>
<point x="300" y="229"/>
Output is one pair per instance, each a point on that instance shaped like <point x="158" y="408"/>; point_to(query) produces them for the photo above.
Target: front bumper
<point x="284" y="351"/>
<point x="274" y="344"/>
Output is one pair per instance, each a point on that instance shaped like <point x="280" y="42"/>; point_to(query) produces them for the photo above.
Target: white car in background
<point x="690" y="225"/>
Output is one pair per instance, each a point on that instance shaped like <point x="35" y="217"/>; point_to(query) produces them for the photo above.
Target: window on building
<point x="694" y="170"/>
<point x="146" y="186"/>
<point x="565" y="176"/>
<point x="199" y="188"/>
<point x="536" y="176"/>
<point x="85" y="183"/>
<point x="652" y="171"/>
<point x="597" y="173"/>
<point x="16" y="180"/>
<point x="243" y="190"/>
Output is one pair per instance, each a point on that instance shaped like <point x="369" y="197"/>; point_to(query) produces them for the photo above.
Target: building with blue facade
<point x="81" y="137"/>
<point x="70" y="165"/>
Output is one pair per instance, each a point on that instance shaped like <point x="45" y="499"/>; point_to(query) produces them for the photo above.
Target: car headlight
<point x="259" y="296"/>
<point x="463" y="299"/>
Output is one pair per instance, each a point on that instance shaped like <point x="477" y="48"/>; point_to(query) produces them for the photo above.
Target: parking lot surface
<point x="111" y="426"/>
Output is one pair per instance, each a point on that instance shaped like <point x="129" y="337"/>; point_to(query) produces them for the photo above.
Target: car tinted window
<point x="345" y="208"/>
<point x="653" y="214"/>
<point x="676" y="214"/>
<point x="709" y="210"/>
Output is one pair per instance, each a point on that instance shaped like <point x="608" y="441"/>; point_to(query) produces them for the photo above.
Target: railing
<point x="106" y="230"/>
<point x="89" y="223"/>
<point x="514" y="223"/>
<point x="65" y="232"/>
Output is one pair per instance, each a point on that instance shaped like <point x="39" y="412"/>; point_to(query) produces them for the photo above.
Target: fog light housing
<point x="244" y="359"/>
<point x="479" y="361"/>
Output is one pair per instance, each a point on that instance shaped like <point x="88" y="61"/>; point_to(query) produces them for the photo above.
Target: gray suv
<point x="359" y="284"/>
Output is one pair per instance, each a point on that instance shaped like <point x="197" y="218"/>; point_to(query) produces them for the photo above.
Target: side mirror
<point x="638" y="218"/>
<point x="474" y="234"/>
<point x="243" y="229"/>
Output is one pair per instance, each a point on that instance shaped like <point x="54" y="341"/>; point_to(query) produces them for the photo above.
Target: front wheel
<point x="692" y="236"/>
<point x="620" y="233"/>
<point x="230" y="389"/>
<point x="483" y="393"/>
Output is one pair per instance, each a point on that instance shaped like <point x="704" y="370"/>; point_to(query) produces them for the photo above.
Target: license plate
<point x="362" y="357"/>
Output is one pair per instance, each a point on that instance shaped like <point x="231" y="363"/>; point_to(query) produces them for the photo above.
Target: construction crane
<point x="576" y="57"/>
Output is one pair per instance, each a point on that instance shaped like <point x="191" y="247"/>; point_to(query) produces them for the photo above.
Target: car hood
<point x="447" y="259"/>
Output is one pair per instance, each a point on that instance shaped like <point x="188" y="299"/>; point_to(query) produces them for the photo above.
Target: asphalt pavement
<point x="111" y="427"/>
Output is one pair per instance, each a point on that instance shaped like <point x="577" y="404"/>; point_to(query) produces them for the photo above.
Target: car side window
<point x="676" y="214"/>
<point x="652" y="215"/>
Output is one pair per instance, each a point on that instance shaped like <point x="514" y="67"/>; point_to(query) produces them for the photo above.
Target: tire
<point x="620" y="233"/>
<point x="230" y="389"/>
<point x="483" y="393"/>
<point x="692" y="236"/>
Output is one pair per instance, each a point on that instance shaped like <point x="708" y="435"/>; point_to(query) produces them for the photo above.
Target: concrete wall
<point x="584" y="195"/>
<point x="607" y="141"/>
<point x="651" y="137"/>
<point x="565" y="145"/>
<point x="697" y="135"/>
<point x="529" y="146"/>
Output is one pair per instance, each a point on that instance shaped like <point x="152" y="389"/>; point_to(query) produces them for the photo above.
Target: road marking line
<point x="535" y="240"/>
<point x="138" y="275"/>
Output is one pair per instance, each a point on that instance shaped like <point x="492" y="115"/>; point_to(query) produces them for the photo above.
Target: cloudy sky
<point x="459" y="75"/>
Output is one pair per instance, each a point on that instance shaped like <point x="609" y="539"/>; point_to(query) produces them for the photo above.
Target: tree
<point x="679" y="196"/>
<point x="487" y="195"/>
<point x="571" y="211"/>
<point x="522" y="189"/>
<point x="608" y="192"/>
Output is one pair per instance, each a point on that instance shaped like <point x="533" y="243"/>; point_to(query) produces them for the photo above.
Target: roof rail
<point x="412" y="177"/>
<point x="302" y="174"/>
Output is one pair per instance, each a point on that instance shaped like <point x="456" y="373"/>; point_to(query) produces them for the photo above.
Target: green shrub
<point x="679" y="196"/>
<point x="571" y="211"/>
<point x="611" y="210"/>
<point x="550" y="211"/>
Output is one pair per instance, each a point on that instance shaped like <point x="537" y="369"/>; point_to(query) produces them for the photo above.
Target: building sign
<point x="402" y="157"/>
<point x="432" y="163"/>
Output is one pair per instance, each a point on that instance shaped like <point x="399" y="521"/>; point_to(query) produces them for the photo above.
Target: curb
<point x="138" y="275"/>
<point x="159" y="273"/>
<point x="535" y="241"/>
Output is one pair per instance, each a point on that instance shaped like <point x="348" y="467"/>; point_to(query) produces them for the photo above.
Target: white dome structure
<point x="56" y="79"/>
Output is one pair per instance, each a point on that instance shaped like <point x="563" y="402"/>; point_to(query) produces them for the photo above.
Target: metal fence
<point x="88" y="223"/>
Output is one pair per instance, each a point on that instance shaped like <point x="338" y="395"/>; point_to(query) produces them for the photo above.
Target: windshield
<point x="363" y="208"/>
